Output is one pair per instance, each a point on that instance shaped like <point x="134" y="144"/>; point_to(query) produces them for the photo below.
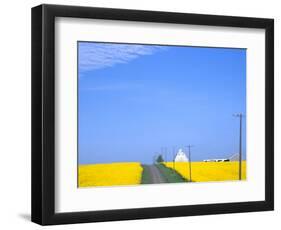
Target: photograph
<point x="152" y="114"/>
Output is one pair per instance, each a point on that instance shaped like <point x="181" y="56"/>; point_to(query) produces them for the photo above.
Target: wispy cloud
<point x="102" y="55"/>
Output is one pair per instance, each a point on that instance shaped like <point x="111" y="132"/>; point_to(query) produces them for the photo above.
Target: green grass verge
<point x="145" y="178"/>
<point x="171" y="175"/>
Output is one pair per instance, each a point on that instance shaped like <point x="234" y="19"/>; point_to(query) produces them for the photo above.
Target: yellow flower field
<point x="209" y="171"/>
<point x="128" y="173"/>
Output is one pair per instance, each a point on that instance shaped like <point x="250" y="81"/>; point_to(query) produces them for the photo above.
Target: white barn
<point x="181" y="157"/>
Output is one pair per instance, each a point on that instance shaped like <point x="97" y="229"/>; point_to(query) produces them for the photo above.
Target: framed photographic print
<point x="142" y="114"/>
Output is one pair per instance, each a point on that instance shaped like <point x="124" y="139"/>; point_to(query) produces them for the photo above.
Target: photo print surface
<point x="152" y="114"/>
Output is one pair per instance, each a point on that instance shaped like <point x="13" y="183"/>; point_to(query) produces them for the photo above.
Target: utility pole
<point x="154" y="158"/>
<point x="240" y="116"/>
<point x="165" y="154"/>
<point x="162" y="152"/>
<point x="189" y="160"/>
<point x="174" y="157"/>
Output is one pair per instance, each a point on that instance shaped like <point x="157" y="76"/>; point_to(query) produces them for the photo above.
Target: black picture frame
<point x="43" y="114"/>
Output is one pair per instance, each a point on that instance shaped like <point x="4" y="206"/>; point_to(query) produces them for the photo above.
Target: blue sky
<point x="136" y="99"/>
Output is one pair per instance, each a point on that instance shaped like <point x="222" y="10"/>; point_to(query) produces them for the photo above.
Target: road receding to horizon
<point x="153" y="175"/>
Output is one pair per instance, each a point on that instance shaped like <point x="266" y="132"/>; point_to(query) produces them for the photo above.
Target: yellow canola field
<point x="210" y="171"/>
<point x="110" y="174"/>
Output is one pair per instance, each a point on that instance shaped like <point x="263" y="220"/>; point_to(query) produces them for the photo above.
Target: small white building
<point x="181" y="157"/>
